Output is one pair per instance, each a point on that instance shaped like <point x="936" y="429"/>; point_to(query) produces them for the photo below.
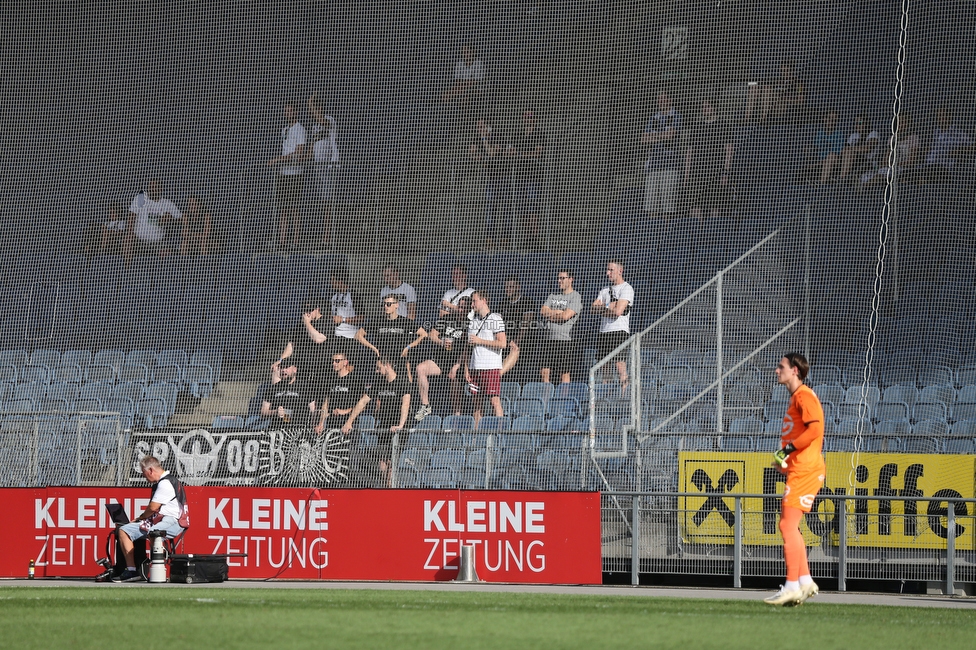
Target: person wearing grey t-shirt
<point x="560" y="313"/>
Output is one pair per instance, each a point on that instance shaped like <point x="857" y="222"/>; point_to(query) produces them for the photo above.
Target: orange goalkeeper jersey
<point x="803" y="425"/>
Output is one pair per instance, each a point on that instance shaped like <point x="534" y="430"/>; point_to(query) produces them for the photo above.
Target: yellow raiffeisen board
<point x="900" y="522"/>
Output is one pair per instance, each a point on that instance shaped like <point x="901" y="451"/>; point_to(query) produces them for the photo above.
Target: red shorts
<point x="802" y="489"/>
<point x="489" y="381"/>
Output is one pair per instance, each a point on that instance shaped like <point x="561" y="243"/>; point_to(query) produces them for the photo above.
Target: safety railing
<point x="935" y="544"/>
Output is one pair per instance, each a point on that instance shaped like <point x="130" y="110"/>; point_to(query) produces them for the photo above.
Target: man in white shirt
<point x="391" y="276"/>
<point x="486" y="336"/>
<point x="468" y="74"/>
<point x="288" y="182"/>
<point x="161" y="515"/>
<point x="452" y="297"/>
<point x="613" y="306"/>
<point x="151" y="220"/>
<point x="346" y="313"/>
<point x="324" y="153"/>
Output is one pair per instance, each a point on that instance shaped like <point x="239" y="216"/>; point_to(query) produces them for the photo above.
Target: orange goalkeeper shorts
<point x="802" y="489"/>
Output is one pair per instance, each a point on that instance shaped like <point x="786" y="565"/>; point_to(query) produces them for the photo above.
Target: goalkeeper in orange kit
<point x="801" y="459"/>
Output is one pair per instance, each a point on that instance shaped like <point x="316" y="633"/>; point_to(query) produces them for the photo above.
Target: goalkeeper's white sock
<point x="791" y="585"/>
<point x="805" y="580"/>
<point x="130" y="568"/>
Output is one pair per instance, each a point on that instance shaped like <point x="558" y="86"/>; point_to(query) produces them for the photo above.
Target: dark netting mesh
<point x="199" y="198"/>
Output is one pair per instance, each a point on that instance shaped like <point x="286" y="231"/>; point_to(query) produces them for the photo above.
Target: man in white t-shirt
<point x="288" y="181"/>
<point x="346" y="313"/>
<point x="151" y="223"/>
<point x="469" y="72"/>
<point x="161" y="515"/>
<point x="452" y="297"/>
<point x="324" y="153"/>
<point x="486" y="336"/>
<point x="613" y="305"/>
<point x="391" y="276"/>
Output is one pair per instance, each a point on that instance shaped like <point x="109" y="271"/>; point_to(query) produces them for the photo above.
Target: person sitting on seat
<point x="162" y="514"/>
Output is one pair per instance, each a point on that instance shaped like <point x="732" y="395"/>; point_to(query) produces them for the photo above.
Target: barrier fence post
<point x="950" y="588"/>
<point x="737" y="546"/>
<point x="842" y="545"/>
<point x="635" y="540"/>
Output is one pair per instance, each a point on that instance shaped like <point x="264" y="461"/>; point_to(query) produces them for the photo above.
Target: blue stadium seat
<point x="736" y="443"/>
<point x="933" y="428"/>
<point x="935" y="376"/>
<point x="152" y="411"/>
<point x="905" y="394"/>
<point x="892" y="411"/>
<point x="529" y="423"/>
<point x="100" y="373"/>
<point x="929" y="411"/>
<point x="455" y="422"/>
<point x="439" y="479"/>
<point x="941" y="393"/>
<point x="538" y="390"/>
<point x="511" y="390"/>
<point x="747" y="425"/>
<point x="234" y="422"/>
<point x="528" y="406"/>
<point x="494" y="423"/>
<point x="429" y="423"/>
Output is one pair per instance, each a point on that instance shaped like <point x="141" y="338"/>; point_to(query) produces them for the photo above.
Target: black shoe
<point x="128" y="575"/>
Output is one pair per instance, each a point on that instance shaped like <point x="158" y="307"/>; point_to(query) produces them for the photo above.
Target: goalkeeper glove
<point x="782" y="454"/>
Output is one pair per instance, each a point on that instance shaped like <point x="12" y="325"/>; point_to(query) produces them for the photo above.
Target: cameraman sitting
<point x="162" y="514"/>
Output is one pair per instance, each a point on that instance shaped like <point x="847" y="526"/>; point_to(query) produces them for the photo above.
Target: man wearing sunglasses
<point x="560" y="313"/>
<point x="343" y="394"/>
<point x="392" y="336"/>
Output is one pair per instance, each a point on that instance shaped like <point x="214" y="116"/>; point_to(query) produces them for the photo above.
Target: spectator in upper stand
<point x="394" y="284"/>
<point x="707" y="163"/>
<point x="449" y="338"/>
<point x="324" y="154"/>
<point x="151" y="229"/>
<point x="290" y="398"/>
<point x="469" y="72"/>
<point x="488" y="150"/>
<point x="345" y="391"/>
<point x="519" y="313"/>
<point x="450" y="303"/>
<point x="613" y="305"/>
<point x="107" y="234"/>
<point x="347" y="313"/>
<point x="527" y="149"/>
<point x="663" y="133"/>
<point x="288" y="180"/>
<point x="197" y="225"/>
<point x="861" y="153"/>
<point x="781" y="99"/>
<point x="906" y="157"/>
<point x="392" y="336"/>
<point x="305" y="345"/>
<point x="828" y="146"/>
<point x="950" y="145"/>
<point x="560" y="312"/>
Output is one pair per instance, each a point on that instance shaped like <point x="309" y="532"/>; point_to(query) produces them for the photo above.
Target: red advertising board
<point x="292" y="533"/>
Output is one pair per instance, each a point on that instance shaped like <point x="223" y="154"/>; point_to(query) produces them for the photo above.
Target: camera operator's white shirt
<point x="614" y="292"/>
<point x="165" y="495"/>
<point x="148" y="212"/>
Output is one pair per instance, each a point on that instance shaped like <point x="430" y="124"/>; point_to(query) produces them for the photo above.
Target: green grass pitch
<point x="84" y="617"/>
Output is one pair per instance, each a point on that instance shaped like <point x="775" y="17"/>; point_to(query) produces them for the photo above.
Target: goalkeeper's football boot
<point x="808" y="591"/>
<point x="785" y="597"/>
